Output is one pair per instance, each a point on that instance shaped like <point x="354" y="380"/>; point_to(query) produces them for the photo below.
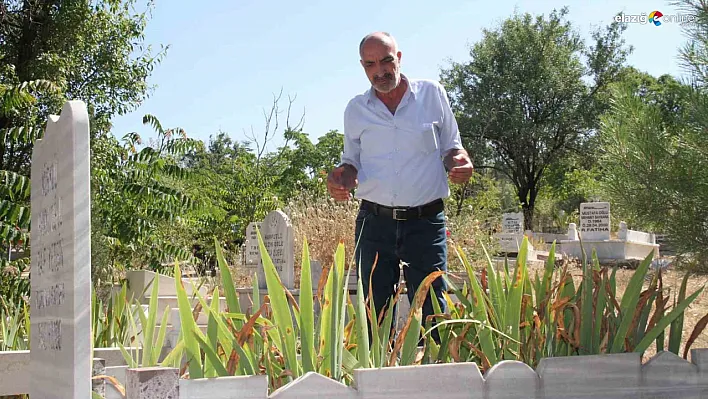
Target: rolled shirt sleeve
<point x="352" y="143"/>
<point x="449" y="131"/>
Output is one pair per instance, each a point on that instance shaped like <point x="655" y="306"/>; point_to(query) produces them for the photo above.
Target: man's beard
<point x="385" y="83"/>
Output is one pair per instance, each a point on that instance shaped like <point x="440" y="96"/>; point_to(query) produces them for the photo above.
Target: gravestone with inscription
<point x="60" y="306"/>
<point x="513" y="223"/>
<point x="512" y="234"/>
<point x="595" y="221"/>
<point x="253" y="254"/>
<point x="279" y="240"/>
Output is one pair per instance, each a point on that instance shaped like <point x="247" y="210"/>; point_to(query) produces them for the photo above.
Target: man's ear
<point x="398" y="54"/>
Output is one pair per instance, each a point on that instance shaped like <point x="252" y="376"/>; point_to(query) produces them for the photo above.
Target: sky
<point x="228" y="59"/>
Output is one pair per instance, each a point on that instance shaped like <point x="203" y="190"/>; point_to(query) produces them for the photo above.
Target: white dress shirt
<point x="399" y="157"/>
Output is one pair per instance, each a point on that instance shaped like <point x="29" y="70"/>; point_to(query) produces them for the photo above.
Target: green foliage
<point x="138" y="192"/>
<point x="694" y="54"/>
<point x="503" y="314"/>
<point x="284" y="339"/>
<point x="654" y="147"/>
<point x="109" y="319"/>
<point x="15" y="182"/>
<point x="655" y="167"/>
<point x="15" y="194"/>
<point x="236" y="184"/>
<point x="14" y="281"/>
<point x="92" y="50"/>
<point x="229" y="185"/>
<point x="89" y="50"/>
<point x="549" y="316"/>
<point x="145" y="351"/>
<point x="522" y="103"/>
<point x="305" y="165"/>
<point x="14" y="325"/>
<point x="564" y="188"/>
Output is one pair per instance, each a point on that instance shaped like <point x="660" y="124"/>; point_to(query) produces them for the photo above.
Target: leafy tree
<point x="15" y="189"/>
<point x="304" y="164"/>
<point x="522" y="100"/>
<point x="15" y="185"/>
<point x="92" y="50"/>
<point x="655" y="169"/>
<point x="140" y="194"/>
<point x="224" y="185"/>
<point x="655" y="149"/>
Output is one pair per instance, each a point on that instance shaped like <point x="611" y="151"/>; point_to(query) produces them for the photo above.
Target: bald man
<point x="401" y="144"/>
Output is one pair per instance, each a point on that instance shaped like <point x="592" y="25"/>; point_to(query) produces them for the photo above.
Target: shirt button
<point x="397" y="172"/>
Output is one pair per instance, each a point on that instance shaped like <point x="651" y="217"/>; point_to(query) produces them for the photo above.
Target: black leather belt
<point x="405" y="213"/>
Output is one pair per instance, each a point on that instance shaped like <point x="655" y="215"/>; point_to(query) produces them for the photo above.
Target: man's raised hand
<point x="461" y="169"/>
<point x="341" y="181"/>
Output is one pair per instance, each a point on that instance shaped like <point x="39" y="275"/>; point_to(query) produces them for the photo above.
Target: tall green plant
<point x="147" y="347"/>
<point x="284" y="338"/>
<point x="14" y="326"/>
<point x="109" y="321"/>
<point x="503" y="315"/>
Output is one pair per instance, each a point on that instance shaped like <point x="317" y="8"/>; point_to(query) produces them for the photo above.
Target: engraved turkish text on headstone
<point x="595" y="220"/>
<point x="278" y="239"/>
<point x="60" y="302"/>
<point x="513" y="223"/>
<point x="253" y="254"/>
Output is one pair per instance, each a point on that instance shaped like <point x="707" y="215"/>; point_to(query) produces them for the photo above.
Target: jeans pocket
<point x="437" y="220"/>
<point x="362" y="215"/>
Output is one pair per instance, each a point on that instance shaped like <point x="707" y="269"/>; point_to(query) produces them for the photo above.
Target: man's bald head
<point x="379" y="37"/>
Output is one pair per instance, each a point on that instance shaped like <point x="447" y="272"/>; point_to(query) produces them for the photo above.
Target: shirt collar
<point x="409" y="91"/>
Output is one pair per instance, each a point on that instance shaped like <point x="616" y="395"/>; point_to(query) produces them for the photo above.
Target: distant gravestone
<point x="279" y="240"/>
<point x="513" y="223"/>
<point x="60" y="316"/>
<point x="253" y="254"/>
<point x="510" y="242"/>
<point x="512" y="234"/>
<point x="595" y="221"/>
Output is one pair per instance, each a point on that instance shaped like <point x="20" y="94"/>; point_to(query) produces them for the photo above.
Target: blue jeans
<point x="421" y="243"/>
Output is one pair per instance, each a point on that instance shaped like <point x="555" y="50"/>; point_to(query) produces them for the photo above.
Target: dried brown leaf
<point x="700" y="326"/>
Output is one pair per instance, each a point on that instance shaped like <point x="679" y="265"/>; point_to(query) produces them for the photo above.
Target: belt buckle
<point x="395" y="213"/>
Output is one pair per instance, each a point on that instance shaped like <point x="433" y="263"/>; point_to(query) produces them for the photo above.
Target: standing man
<point x="400" y="142"/>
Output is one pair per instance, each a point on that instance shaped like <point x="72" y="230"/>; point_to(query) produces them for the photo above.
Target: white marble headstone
<point x="513" y="223"/>
<point x="595" y="221"/>
<point x="279" y="240"/>
<point x="512" y="234"/>
<point x="60" y="309"/>
<point x="253" y="253"/>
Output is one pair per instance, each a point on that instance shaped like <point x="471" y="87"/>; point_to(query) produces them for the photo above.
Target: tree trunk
<point x="527" y="197"/>
<point x="462" y="195"/>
